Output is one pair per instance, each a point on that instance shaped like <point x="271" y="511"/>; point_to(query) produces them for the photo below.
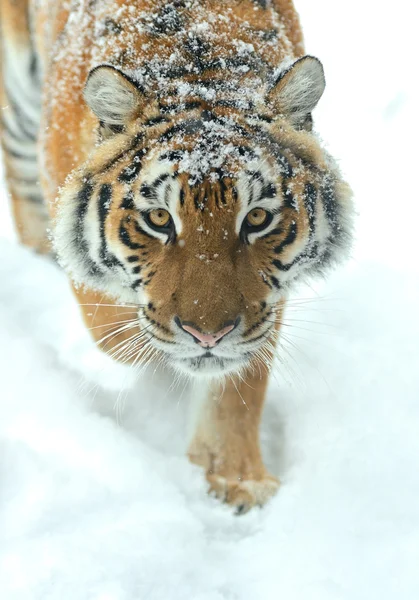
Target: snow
<point x="100" y="503"/>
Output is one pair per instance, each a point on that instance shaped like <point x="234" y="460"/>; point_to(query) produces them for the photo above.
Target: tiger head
<point x="204" y="212"/>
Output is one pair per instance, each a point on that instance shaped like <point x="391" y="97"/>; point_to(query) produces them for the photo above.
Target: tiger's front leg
<point x="226" y="441"/>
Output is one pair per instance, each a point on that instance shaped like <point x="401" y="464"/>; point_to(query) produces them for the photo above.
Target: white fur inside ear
<point x="111" y="96"/>
<point x="300" y="88"/>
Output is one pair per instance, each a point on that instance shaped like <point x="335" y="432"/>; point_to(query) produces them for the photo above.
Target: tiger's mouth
<point x="209" y="364"/>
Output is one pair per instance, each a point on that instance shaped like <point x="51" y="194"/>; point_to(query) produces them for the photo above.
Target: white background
<point x="96" y="508"/>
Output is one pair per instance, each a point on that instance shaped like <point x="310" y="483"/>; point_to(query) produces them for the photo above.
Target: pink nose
<point x="207" y="340"/>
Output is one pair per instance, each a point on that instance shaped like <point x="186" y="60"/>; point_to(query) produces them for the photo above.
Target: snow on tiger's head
<point x="204" y="212"/>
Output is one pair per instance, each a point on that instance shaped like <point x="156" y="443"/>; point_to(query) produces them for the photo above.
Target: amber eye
<point x="257" y="217"/>
<point x="256" y="220"/>
<point x="159" y="217"/>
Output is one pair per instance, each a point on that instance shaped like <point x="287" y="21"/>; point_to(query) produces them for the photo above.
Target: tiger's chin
<point x="209" y="366"/>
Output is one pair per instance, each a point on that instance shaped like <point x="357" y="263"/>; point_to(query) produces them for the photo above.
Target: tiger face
<point x="204" y="214"/>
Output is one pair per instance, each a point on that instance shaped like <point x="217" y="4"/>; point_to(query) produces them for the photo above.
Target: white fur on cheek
<point x="77" y="246"/>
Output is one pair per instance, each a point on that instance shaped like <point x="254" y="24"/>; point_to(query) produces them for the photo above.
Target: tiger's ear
<point x="113" y="97"/>
<point x="298" y="89"/>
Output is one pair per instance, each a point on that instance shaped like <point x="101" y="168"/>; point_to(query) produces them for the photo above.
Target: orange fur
<point x="209" y="277"/>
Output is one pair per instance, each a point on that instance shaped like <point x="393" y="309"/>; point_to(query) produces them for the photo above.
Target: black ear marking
<point x="297" y="90"/>
<point x="113" y="97"/>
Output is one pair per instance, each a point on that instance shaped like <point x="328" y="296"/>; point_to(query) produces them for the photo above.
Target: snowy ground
<point x="92" y="509"/>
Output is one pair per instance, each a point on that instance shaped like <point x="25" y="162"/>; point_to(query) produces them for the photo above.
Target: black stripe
<point x="310" y="199"/>
<point x="19" y="155"/>
<point x="21" y="137"/>
<point x="192" y="126"/>
<point x="197" y="48"/>
<point x="155" y="121"/>
<point x="125" y="237"/>
<point x="275" y="282"/>
<point x="23" y="121"/>
<point x="131" y="172"/>
<point x="35" y="198"/>
<point x="136" y="140"/>
<point x="275" y="231"/>
<point x="290" y="239"/>
<point x="148" y="192"/>
<point x="33" y="66"/>
<point x="142" y="231"/>
<point x="330" y="206"/>
<point x="288" y="197"/>
<point x="254" y="175"/>
<point x="280" y="265"/>
<point x="105" y="199"/>
<point x="280" y="158"/>
<point x="268" y="35"/>
<point x="34" y="181"/>
<point x="264" y="118"/>
<point x="251" y="195"/>
<point x="261" y="3"/>
<point x="167" y="192"/>
<point x="253" y="328"/>
<point x="128" y="202"/>
<point x="110" y="27"/>
<point x="276" y="149"/>
<point x="199" y="198"/>
<point x="185" y="127"/>
<point x="105" y="127"/>
<point x="168" y="20"/>
<point x="181" y="107"/>
<point x="208" y="116"/>
<point x="160" y="326"/>
<point x="309" y="254"/>
<point x="83" y="198"/>
<point x="136" y="284"/>
<point x="268" y="191"/>
<point x="223" y="189"/>
<point x="159" y="180"/>
<point x="246" y="152"/>
<point x="234" y="104"/>
<point x="172" y="155"/>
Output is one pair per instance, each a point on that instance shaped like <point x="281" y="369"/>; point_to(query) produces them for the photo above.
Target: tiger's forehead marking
<point x="207" y="145"/>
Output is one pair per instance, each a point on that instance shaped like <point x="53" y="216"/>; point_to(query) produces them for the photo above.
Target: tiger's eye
<point x="159" y="217"/>
<point x="257" y="217"/>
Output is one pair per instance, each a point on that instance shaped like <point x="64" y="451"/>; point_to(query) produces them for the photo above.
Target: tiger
<point x="164" y="152"/>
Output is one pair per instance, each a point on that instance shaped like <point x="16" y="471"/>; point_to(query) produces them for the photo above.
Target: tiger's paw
<point x="243" y="494"/>
<point x="237" y="477"/>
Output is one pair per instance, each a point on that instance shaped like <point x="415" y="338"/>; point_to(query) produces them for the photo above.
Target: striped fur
<point x="202" y="109"/>
<point x="20" y="89"/>
<point x="174" y="144"/>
